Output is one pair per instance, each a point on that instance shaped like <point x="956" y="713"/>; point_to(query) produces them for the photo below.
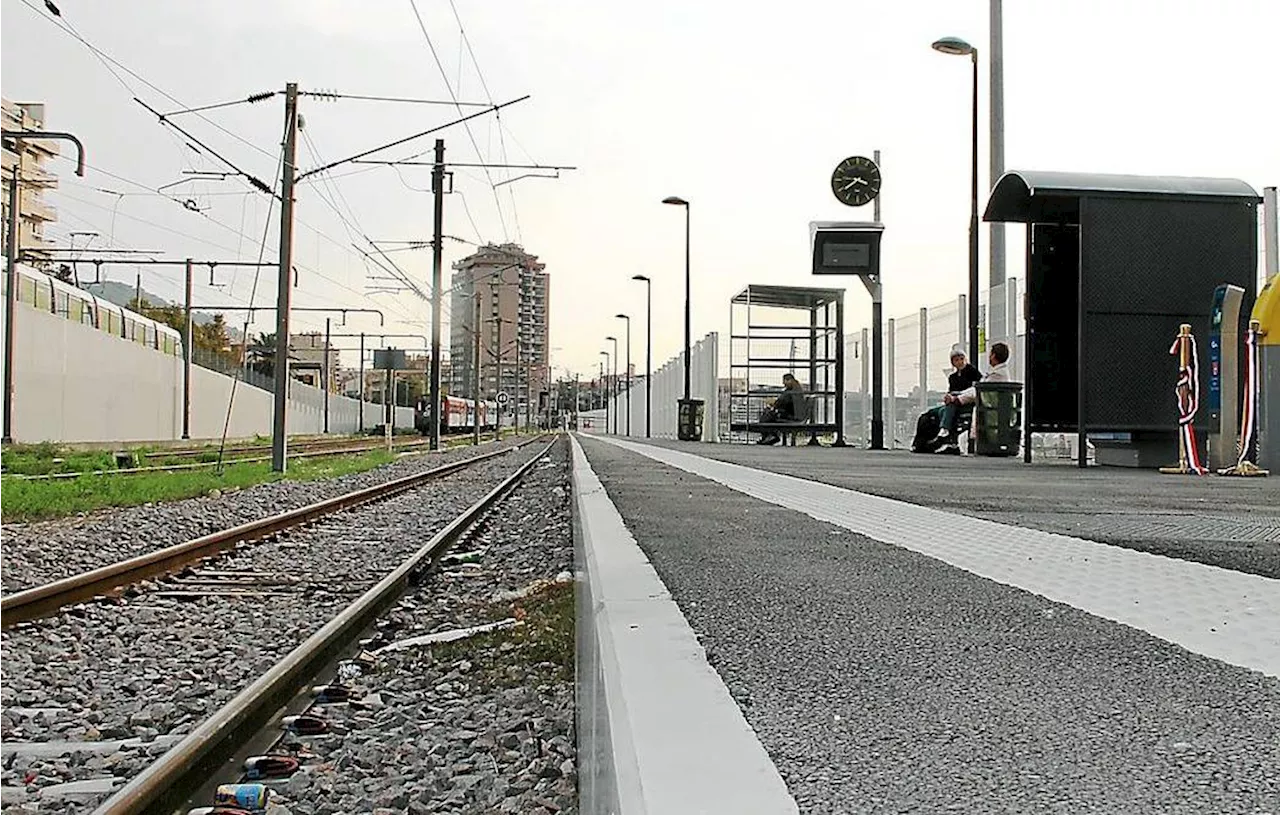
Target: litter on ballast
<point x="447" y="636"/>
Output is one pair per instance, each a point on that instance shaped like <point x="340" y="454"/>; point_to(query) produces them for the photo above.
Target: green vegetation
<point x="543" y="645"/>
<point x="26" y="500"/>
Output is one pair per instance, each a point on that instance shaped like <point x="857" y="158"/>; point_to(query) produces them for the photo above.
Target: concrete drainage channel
<point x="479" y="719"/>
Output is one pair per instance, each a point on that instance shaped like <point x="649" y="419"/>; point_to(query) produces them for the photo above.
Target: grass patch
<point x="24" y="500"/>
<point x="543" y="647"/>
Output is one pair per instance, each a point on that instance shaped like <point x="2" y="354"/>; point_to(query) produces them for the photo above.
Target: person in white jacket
<point x="998" y="359"/>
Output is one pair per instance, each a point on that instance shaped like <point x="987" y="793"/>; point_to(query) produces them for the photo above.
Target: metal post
<point x="1270" y="242"/>
<point x="996" y="139"/>
<point x="187" y="332"/>
<point x="437" y="259"/>
<point x="864" y="421"/>
<point x="892" y="395"/>
<point x="475" y="382"/>
<point x="924" y="359"/>
<point x="325" y="373"/>
<point x="361" y="420"/>
<point x="627" y="371"/>
<point x="279" y="429"/>
<point x="688" y="300"/>
<point x="840" y="385"/>
<point x="648" y="358"/>
<point x="875" y="156"/>
<point x="973" y="227"/>
<point x="497" y="428"/>
<point x="11" y="297"/>
<point x="877" y="364"/>
<point x="603" y="390"/>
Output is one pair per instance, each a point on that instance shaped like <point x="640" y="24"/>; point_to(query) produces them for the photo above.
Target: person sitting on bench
<point x="998" y="359"/>
<point x="788" y="407"/>
<point x="935" y="426"/>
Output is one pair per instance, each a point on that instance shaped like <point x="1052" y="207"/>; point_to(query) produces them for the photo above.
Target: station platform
<point x="927" y="634"/>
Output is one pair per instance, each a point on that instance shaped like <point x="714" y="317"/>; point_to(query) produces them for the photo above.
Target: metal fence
<point x="668" y="387"/>
<point x="917" y="359"/>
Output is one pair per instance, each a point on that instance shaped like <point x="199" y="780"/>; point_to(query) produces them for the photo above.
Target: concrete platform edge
<point x="658" y="731"/>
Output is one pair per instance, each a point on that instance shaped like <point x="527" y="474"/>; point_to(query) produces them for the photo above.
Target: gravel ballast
<point x="42" y="551"/>
<point x="480" y="725"/>
<point x="880" y="680"/>
<point x="154" y="665"/>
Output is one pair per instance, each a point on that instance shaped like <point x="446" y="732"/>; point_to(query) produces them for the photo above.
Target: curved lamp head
<point x="626" y="317"/>
<point x="672" y="199"/>
<point x="604" y="353"/>
<point x="954" y="45"/>
<point x="640" y="277"/>
<point x="611" y="339"/>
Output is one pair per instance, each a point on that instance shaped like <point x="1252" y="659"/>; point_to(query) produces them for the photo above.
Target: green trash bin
<point x="997" y="419"/>
<point x="689" y="419"/>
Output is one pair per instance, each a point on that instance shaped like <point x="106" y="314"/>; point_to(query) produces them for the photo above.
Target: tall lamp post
<point x="604" y="385"/>
<point x="627" y="317"/>
<point x="648" y="352"/>
<point x="688" y="331"/>
<point x="958" y="47"/>
<point x="614" y="340"/>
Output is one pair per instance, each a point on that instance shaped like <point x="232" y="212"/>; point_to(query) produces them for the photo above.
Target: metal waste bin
<point x="997" y="419"/>
<point x="689" y="421"/>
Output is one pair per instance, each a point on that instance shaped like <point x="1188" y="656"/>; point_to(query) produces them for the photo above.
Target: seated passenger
<point x="998" y="359"/>
<point x="788" y="407"/>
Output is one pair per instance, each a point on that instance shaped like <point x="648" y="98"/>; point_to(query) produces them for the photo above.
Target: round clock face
<point x="856" y="181"/>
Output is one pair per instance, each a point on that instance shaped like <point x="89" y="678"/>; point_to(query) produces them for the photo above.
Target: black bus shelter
<point x="1114" y="264"/>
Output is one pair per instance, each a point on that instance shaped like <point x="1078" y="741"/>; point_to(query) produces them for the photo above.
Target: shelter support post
<point x="877" y="360"/>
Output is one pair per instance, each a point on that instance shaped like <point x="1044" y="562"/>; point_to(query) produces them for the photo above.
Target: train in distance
<point x="458" y="416"/>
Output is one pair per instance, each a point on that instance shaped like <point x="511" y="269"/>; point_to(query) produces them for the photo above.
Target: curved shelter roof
<point x="1026" y="196"/>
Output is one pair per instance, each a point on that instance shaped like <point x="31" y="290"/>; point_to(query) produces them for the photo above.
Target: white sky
<point x="743" y="112"/>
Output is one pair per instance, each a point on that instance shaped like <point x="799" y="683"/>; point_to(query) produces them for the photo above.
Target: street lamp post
<point x="627" y="317"/>
<point x="648" y="352"/>
<point x="956" y="46"/>
<point x="604" y="370"/>
<point x="688" y="330"/>
<point x="616" y="417"/>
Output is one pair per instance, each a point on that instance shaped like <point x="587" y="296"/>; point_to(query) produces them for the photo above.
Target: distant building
<point x="32" y="158"/>
<point x="306" y="355"/>
<point x="514" y="291"/>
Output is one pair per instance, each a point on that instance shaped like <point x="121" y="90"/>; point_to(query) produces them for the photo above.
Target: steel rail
<point x="164" y="784"/>
<point x="43" y="600"/>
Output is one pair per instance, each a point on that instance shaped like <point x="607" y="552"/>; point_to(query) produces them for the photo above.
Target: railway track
<point x="46" y="599"/>
<point x="169" y="783"/>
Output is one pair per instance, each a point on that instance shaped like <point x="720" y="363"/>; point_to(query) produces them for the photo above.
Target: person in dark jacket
<point x="936" y="427"/>
<point x="790" y="406"/>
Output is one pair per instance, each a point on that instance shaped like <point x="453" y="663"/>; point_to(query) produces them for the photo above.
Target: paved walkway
<point x="893" y="657"/>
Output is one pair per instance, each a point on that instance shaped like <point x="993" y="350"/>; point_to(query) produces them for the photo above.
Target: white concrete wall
<point x="74" y="383"/>
<point x="668" y="387"/>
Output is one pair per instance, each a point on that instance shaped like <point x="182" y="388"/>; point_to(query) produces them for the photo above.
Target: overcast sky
<point x="742" y="111"/>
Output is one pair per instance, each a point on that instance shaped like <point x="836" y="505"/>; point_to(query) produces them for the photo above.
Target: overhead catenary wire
<point x="466" y="125"/>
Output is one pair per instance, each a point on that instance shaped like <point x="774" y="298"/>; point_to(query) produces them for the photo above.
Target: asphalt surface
<point x="1233" y="523"/>
<point x="880" y="680"/>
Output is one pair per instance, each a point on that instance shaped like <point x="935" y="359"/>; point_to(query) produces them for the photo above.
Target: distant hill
<point x="122" y="294"/>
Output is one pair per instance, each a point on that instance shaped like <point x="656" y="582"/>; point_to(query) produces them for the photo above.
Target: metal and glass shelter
<point x="775" y="330"/>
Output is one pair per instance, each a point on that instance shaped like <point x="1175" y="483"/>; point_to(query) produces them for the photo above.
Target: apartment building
<point x="32" y="158"/>
<point x="513" y="289"/>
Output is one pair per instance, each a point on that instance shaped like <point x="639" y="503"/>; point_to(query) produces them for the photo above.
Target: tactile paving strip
<point x="1226" y="615"/>
<point x="1149" y="527"/>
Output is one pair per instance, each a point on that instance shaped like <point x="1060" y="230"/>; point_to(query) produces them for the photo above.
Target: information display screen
<point x="850" y="255"/>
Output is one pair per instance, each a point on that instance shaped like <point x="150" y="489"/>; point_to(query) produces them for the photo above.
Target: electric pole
<point x="187" y="342"/>
<point x="284" y="291"/>
<point x="497" y="427"/>
<point x="437" y="260"/>
<point x="475" y="382"/>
